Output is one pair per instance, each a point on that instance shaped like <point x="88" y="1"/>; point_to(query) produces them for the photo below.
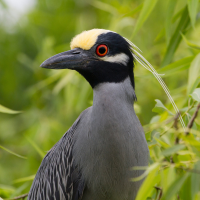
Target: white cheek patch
<point x="120" y="58"/>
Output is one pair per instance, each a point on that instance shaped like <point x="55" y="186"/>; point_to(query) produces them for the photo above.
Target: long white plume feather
<point x="150" y="68"/>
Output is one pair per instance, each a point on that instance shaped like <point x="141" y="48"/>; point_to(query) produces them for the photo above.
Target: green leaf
<point x="160" y="108"/>
<point x="36" y="147"/>
<point x="192" y="8"/>
<point x="196" y="94"/>
<point x="104" y="6"/>
<point x="176" y="38"/>
<point x="185" y="191"/>
<point x="169" y="16"/>
<point x="194" y="74"/>
<point x="11" y="152"/>
<point x="24" y="179"/>
<point x="176" y="66"/>
<point x="146" y="11"/>
<point x="149" y="182"/>
<point x="172" y="150"/>
<point x="175" y="186"/>
<point x="195" y="179"/>
<point x="7" y="110"/>
<point x="190" y="44"/>
<point x="133" y="12"/>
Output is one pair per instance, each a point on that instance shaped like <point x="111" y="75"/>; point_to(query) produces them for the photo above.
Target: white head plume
<point x="150" y="68"/>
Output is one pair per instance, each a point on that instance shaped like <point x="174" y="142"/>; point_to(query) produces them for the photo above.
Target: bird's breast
<point x="111" y="143"/>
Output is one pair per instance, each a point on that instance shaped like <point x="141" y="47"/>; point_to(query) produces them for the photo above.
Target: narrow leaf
<point x="11" y="152"/>
<point x="133" y="12"/>
<point x="169" y="16"/>
<point x="194" y="73"/>
<point x="176" y="38"/>
<point x="190" y="44"/>
<point x="175" y="186"/>
<point x="149" y="182"/>
<point x="24" y="179"/>
<point x="192" y="7"/>
<point x="36" y="147"/>
<point x="146" y="11"/>
<point x="172" y="150"/>
<point x="176" y="66"/>
<point x="105" y="7"/>
<point x="196" y="94"/>
<point x="195" y="179"/>
<point x="7" y="110"/>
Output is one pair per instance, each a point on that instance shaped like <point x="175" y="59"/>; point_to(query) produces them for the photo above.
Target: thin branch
<point x="23" y="196"/>
<point x="176" y="126"/>
<point x="176" y="120"/>
<point x="160" y="194"/>
<point x="190" y="124"/>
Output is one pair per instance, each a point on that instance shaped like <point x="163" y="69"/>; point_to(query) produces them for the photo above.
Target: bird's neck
<point x="109" y="94"/>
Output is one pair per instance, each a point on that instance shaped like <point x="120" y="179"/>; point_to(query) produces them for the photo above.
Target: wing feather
<point x="58" y="178"/>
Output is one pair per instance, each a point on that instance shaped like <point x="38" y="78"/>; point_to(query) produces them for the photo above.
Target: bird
<point x="95" y="158"/>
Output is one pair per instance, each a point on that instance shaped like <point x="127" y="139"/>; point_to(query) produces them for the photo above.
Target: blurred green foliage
<point x="168" y="34"/>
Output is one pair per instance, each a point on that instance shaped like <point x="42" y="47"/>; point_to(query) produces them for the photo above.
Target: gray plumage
<point x="95" y="156"/>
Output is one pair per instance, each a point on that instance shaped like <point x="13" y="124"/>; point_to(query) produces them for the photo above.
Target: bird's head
<point x="99" y="55"/>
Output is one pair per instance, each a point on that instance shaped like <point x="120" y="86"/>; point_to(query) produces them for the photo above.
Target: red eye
<point x="102" y="50"/>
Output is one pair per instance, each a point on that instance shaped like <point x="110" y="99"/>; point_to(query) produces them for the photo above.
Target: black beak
<point x="73" y="59"/>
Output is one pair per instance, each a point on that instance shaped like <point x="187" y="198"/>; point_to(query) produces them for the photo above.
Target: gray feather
<point x="58" y="177"/>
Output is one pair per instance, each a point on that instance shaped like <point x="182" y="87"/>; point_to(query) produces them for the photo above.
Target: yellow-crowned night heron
<point x="95" y="157"/>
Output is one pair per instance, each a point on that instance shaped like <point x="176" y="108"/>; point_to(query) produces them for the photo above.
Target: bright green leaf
<point x="172" y="150"/>
<point x="196" y="94"/>
<point x="7" y="110"/>
<point x="193" y="9"/>
<point x="160" y="108"/>
<point x="146" y="11"/>
<point x="149" y="182"/>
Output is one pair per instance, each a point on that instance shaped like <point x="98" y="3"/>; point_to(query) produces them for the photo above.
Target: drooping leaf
<point x="176" y="66"/>
<point x="190" y="44"/>
<point x="3" y="109"/>
<point x="193" y="9"/>
<point x="176" y="38"/>
<point x="146" y="11"/>
<point x="11" y="152"/>
<point x="196" y="94"/>
<point x="149" y="182"/>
